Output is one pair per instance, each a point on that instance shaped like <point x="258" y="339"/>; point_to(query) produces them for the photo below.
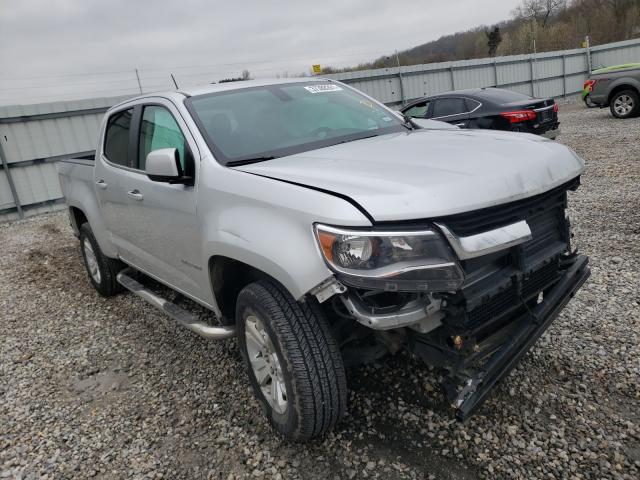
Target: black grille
<point x="508" y="299"/>
<point x="490" y="218"/>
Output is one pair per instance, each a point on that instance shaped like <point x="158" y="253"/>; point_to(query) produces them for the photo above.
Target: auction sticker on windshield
<point x="322" y="88"/>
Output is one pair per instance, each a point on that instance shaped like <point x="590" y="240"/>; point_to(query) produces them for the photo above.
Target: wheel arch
<point x="77" y="217"/>
<point x="620" y="87"/>
<point x="228" y="276"/>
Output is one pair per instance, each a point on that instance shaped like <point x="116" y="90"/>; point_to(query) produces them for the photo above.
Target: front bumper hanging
<point x="526" y="331"/>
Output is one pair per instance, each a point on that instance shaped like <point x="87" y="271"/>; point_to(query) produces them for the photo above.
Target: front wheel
<point x="293" y="361"/>
<point x="625" y="104"/>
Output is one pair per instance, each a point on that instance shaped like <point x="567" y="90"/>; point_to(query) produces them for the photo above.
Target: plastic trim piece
<point x="487" y="242"/>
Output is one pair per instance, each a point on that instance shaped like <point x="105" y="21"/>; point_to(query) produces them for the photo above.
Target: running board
<point x="180" y="315"/>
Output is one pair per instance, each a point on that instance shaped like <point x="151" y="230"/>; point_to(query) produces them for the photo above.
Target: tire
<point x="625" y="104"/>
<point x="102" y="270"/>
<point x="307" y="372"/>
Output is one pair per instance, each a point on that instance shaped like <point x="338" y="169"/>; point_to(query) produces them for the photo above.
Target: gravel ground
<point x="100" y="388"/>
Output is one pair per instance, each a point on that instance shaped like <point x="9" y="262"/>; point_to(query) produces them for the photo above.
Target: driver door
<point x="160" y="229"/>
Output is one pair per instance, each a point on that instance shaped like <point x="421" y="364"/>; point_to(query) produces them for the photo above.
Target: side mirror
<point x="163" y="165"/>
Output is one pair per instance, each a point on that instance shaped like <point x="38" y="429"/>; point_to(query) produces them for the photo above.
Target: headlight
<point x="394" y="261"/>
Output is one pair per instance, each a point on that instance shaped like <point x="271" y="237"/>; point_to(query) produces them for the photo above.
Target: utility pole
<point x="139" y="84"/>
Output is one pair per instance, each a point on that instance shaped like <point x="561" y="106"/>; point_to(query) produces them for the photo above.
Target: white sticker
<point x="323" y="88"/>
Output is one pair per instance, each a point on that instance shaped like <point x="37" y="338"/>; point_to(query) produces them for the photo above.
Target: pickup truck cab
<point x="322" y="229"/>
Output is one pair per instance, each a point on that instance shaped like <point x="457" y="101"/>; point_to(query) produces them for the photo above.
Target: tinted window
<point x="418" y="111"/>
<point x="278" y="120"/>
<point x="116" y="139"/>
<point x="471" y="104"/>
<point x="159" y="130"/>
<point x="449" y="106"/>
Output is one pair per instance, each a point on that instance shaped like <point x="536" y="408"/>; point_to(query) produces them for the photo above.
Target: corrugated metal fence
<point x="550" y="74"/>
<point x="34" y="137"/>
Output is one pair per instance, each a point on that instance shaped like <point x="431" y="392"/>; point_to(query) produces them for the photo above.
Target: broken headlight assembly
<point x="408" y="261"/>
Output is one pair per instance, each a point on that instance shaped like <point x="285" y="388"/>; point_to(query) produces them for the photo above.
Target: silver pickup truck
<point x="322" y="230"/>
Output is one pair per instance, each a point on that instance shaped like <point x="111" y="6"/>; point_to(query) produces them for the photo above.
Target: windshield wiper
<point x="409" y="123"/>
<point x="356" y="139"/>
<point x="249" y="161"/>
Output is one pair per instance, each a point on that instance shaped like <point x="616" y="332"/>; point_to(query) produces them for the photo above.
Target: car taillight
<point x="519" y="116"/>
<point x="590" y="84"/>
<point x="555" y="108"/>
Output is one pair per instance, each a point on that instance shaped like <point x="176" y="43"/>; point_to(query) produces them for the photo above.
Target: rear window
<point x="116" y="138"/>
<point x="504" y="96"/>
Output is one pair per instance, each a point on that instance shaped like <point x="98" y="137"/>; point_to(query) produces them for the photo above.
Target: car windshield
<point x="260" y="123"/>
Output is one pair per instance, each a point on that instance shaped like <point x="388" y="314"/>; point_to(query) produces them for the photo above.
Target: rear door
<point x="452" y="110"/>
<point x="112" y="162"/>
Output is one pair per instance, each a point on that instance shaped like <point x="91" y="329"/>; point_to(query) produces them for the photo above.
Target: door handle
<point x="463" y="124"/>
<point x="102" y="184"/>
<point x="135" y="194"/>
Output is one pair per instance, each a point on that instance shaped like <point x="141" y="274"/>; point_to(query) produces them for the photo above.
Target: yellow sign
<point x="585" y="44"/>
<point x="317" y="69"/>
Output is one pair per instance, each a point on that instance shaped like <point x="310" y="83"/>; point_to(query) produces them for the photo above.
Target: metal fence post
<point x="453" y="79"/>
<point x="495" y="72"/>
<point x="564" y="76"/>
<point x="400" y="78"/>
<point x="12" y="186"/>
<point x="533" y="81"/>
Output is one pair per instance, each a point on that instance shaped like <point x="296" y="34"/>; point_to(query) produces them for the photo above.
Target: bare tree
<point x="540" y="10"/>
<point x="551" y="8"/>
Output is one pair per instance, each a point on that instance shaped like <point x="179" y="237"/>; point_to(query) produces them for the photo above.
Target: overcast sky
<point x="60" y="49"/>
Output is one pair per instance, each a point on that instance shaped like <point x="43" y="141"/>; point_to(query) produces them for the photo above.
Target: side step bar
<point x="181" y="316"/>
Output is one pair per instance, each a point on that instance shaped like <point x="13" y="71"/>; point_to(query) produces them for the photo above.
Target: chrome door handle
<point x="135" y="194"/>
<point x="102" y="184"/>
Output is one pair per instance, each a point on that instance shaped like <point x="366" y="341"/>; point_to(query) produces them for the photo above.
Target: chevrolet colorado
<point x="322" y="229"/>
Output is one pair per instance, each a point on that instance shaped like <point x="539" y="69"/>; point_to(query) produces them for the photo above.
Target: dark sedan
<point x="490" y="108"/>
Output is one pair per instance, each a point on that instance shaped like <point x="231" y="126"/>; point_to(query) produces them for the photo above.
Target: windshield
<point x="260" y="123"/>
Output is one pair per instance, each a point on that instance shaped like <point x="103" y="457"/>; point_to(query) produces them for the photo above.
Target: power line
<point x="170" y="68"/>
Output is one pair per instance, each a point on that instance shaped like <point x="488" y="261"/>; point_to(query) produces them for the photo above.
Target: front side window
<point x="278" y="120"/>
<point x="445" y="107"/>
<point x="159" y="130"/>
<point x="418" y="111"/>
<point x="116" y="138"/>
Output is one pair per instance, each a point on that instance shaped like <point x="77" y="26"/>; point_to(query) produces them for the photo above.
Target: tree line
<point x="552" y="24"/>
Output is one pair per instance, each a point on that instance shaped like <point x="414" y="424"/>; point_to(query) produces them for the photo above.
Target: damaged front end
<point x="469" y="293"/>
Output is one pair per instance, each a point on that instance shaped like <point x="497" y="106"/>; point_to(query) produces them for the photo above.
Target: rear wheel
<point x="102" y="270"/>
<point x="625" y="104"/>
<point x="293" y="361"/>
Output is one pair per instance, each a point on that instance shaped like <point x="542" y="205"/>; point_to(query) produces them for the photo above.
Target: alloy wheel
<point x="92" y="261"/>
<point x="623" y="105"/>
<point x="265" y="364"/>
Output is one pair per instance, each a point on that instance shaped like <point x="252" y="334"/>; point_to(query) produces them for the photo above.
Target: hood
<point x="430" y="173"/>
